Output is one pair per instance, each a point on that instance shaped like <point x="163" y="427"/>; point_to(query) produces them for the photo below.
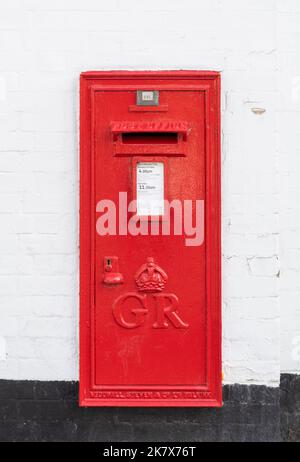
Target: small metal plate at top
<point x="147" y="98"/>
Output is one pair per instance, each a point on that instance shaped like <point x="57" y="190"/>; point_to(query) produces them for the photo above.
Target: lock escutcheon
<point x="111" y="275"/>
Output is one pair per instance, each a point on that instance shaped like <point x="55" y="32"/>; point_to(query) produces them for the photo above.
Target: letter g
<point x="119" y="310"/>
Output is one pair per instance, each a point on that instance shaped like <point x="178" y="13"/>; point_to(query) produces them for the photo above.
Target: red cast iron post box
<point x="150" y="289"/>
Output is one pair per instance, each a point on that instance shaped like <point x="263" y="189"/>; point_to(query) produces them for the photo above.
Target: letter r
<point x="167" y="311"/>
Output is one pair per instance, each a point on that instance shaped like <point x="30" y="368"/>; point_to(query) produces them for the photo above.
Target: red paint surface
<point x="141" y="346"/>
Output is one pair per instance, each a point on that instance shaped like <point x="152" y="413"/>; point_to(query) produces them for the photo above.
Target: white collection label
<point x="150" y="188"/>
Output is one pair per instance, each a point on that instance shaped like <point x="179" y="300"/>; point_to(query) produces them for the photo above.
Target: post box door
<point x="150" y="239"/>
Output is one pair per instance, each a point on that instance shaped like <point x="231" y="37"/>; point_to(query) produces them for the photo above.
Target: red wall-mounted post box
<point x="150" y="289"/>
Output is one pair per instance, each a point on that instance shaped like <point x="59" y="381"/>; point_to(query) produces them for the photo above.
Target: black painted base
<point x="48" y="411"/>
<point x="290" y="407"/>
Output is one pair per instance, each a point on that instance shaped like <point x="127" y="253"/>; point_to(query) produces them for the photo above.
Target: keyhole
<point x="108" y="261"/>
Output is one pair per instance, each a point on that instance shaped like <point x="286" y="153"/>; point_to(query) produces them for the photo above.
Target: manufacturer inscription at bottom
<point x="151" y="394"/>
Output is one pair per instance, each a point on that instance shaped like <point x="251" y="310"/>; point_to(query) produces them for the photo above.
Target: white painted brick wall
<point x="288" y="130"/>
<point x="44" y="45"/>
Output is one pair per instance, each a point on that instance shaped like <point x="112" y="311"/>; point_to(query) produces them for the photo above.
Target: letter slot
<point x="166" y="138"/>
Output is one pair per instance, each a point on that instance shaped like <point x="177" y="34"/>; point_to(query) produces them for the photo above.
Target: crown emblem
<point x="150" y="277"/>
